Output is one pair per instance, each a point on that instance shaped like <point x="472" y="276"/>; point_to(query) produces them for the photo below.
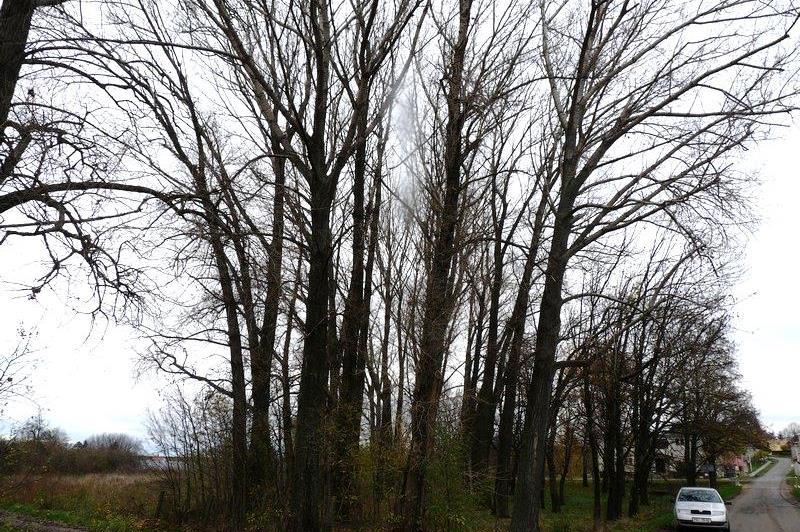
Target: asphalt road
<point x="765" y="504"/>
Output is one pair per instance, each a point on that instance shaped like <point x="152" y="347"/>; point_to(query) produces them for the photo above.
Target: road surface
<point x="765" y="504"/>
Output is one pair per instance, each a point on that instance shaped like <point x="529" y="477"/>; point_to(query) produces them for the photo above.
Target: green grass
<point x="107" y="523"/>
<point x="577" y="512"/>
<point x="729" y="490"/>
<point x="656" y="517"/>
<point x="794" y="483"/>
<point x="105" y="503"/>
<point x="89" y="503"/>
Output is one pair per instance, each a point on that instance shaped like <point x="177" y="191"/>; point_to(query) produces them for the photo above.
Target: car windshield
<point x="698" y="496"/>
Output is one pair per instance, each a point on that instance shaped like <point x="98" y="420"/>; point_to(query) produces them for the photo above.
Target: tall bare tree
<point x="621" y="87"/>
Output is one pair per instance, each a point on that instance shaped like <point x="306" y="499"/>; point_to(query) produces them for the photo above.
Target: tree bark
<point x="525" y="516"/>
<point x="386" y="383"/>
<point x="568" y="443"/>
<point x="401" y="363"/>
<point x="351" y="396"/>
<point x="616" y="478"/>
<point x="486" y="403"/>
<point x="307" y="494"/>
<point x="312" y="398"/>
<point x="552" y="476"/>
<point x="286" y="383"/>
<point x="516" y="324"/>
<point x="15" y="24"/>
<point x="470" y="397"/>
<point x="239" y="480"/>
<point x="261" y="450"/>
<point x="712" y="474"/>
<point x="690" y="459"/>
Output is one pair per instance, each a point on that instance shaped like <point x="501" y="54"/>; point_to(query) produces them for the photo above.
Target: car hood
<point x="710" y="506"/>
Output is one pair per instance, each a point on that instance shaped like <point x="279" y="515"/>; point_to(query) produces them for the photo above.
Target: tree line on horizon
<point x="389" y="247"/>
<point x="35" y="448"/>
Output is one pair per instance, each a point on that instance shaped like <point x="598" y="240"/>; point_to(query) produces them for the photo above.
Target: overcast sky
<point x="85" y="381"/>
<point x="768" y="320"/>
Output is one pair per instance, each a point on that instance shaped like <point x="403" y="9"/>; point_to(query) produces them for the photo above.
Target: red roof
<point x="735" y="461"/>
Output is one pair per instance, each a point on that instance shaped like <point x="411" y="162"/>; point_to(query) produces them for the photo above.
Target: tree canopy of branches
<point x="336" y="221"/>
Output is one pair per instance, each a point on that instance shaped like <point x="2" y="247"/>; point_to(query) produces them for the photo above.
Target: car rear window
<point x="698" y="496"/>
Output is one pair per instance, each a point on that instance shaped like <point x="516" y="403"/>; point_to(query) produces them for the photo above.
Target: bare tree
<point x="15" y="369"/>
<point x="621" y="86"/>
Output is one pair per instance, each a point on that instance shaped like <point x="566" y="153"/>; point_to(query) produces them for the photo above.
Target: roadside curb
<point x="769" y="463"/>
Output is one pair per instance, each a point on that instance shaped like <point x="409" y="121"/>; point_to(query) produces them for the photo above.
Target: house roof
<point x="735" y="461"/>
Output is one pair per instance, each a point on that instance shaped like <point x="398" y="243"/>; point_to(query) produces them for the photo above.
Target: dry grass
<point x="113" y="502"/>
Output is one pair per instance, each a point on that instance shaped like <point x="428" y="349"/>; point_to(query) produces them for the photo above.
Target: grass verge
<point x="122" y="504"/>
<point x="770" y="462"/>
<point x="729" y="490"/>
<point x="576" y="515"/>
<point x="793" y="479"/>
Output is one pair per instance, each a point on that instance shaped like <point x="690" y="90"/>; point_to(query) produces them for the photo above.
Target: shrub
<point x="451" y="505"/>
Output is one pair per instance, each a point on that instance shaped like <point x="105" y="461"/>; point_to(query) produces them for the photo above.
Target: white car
<point x="700" y="508"/>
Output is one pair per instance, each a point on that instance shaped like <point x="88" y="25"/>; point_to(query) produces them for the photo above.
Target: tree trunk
<point x="591" y="439"/>
<point x="690" y="459"/>
<point x="608" y="461"/>
<point x="15" y="24"/>
<point x="470" y="397"/>
<point x="351" y="396"/>
<point x="307" y="493"/>
<point x="633" y="500"/>
<point x="552" y="476"/>
<point x="286" y="383"/>
<point x="261" y="451"/>
<point x="425" y="399"/>
<point x="401" y="363"/>
<point x="503" y="484"/>
<point x="525" y="516"/>
<point x="239" y="480"/>
<point x="712" y="473"/>
<point x="516" y="324"/>
<point x="486" y="404"/>
<point x="466" y="407"/>
<point x="568" y="442"/>
<point x="584" y="466"/>
<point x="386" y="384"/>
<point x="616" y="486"/>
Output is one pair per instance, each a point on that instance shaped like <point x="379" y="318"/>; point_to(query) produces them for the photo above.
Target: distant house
<point x="778" y="445"/>
<point x="734" y="465"/>
<point x="159" y="463"/>
<point x="794" y="448"/>
<point x="670" y="454"/>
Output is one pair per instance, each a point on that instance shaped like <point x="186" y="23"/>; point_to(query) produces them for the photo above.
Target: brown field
<point x="114" y="501"/>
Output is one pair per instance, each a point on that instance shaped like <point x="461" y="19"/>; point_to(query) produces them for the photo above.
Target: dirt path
<point x="30" y="524"/>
